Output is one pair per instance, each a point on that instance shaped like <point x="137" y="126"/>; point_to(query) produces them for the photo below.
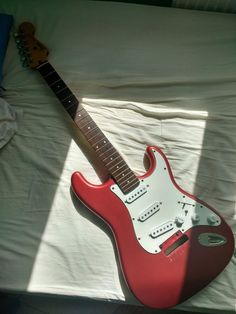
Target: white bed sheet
<point x="148" y="76"/>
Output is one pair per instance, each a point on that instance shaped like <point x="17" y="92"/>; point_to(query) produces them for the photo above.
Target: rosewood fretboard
<point x="112" y="160"/>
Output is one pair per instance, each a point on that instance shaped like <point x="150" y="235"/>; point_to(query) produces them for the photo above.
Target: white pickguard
<point x="158" y="209"/>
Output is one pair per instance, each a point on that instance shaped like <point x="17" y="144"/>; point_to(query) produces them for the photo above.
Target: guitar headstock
<point x="32" y="52"/>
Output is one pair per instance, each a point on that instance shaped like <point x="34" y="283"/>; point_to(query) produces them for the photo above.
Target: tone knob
<point x="179" y="220"/>
<point x="212" y="219"/>
<point x="195" y="218"/>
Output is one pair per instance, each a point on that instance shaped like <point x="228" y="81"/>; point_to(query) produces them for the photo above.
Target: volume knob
<point x="179" y="220"/>
<point x="195" y="218"/>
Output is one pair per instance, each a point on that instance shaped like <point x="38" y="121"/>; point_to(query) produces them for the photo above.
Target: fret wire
<point x="82" y="109"/>
<point x="56" y="82"/>
<point x="123" y="179"/>
<point x="100" y="151"/>
<point x="71" y="111"/>
<point x="125" y="170"/>
<point x="129" y="190"/>
<point x="87" y="128"/>
<point x="115" y="160"/>
<point x="57" y="88"/>
<point x="89" y="131"/>
<point x="103" y="137"/>
<point x="87" y="121"/>
<point x="50" y="73"/>
<point x="91" y="138"/>
<point x="100" y="155"/>
<point x="123" y="176"/>
<point x="80" y="115"/>
<point x="78" y="118"/>
<point x="84" y="122"/>
<point x="86" y="134"/>
<point x="100" y="134"/>
<point x="44" y="66"/>
<point x="109" y="161"/>
<point x="51" y="77"/>
<point x="64" y="94"/>
<point x="72" y="107"/>
<point x="66" y="98"/>
<point x="112" y="156"/>
<point x="61" y="90"/>
<point x="70" y="103"/>
<point x="118" y="169"/>
<point x="112" y="160"/>
<point x="127" y="182"/>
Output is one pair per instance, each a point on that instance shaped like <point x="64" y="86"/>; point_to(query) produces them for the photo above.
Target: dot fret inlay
<point x="112" y="160"/>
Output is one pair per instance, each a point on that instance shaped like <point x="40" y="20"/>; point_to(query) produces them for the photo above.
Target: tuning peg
<point x="25" y="63"/>
<point x="20" y="47"/>
<point x="15" y="35"/>
<point x="22" y="52"/>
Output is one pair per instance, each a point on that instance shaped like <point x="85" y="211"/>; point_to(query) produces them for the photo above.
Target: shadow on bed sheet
<point x="219" y="132"/>
<point x="27" y="146"/>
<point x="216" y="163"/>
<point x="215" y="183"/>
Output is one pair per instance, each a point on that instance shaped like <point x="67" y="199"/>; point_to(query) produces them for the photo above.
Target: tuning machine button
<point x="16" y="34"/>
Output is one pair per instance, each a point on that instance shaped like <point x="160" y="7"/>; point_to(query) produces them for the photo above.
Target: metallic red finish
<point x="157" y="280"/>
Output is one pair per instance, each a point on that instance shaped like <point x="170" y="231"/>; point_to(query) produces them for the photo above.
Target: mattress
<point x="148" y="76"/>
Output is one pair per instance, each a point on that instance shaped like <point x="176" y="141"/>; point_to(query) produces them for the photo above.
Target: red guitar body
<point x="162" y="279"/>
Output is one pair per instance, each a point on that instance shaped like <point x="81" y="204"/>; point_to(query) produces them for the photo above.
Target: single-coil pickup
<point x="147" y="213"/>
<point x="136" y="194"/>
<point x="158" y="231"/>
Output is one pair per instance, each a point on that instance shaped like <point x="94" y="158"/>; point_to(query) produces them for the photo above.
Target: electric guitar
<point x="170" y="243"/>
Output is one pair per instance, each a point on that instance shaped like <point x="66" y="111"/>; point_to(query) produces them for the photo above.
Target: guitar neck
<point x="112" y="160"/>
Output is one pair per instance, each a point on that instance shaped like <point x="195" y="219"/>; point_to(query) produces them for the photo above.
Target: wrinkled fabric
<point x="148" y="76"/>
<point x="8" y="122"/>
